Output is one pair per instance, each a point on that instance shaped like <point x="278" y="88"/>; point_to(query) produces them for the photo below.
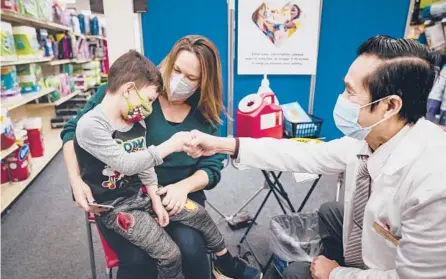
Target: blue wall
<point x="345" y="24"/>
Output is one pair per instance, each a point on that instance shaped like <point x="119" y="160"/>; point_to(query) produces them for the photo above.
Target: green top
<point x="177" y="166"/>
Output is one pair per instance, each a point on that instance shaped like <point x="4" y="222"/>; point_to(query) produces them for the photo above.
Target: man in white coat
<point x="392" y="223"/>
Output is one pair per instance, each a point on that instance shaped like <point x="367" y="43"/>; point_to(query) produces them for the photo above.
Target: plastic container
<point x="29" y="77"/>
<point x="295" y="237"/>
<point x="10" y="5"/>
<point x="18" y="162"/>
<point x="45" y="43"/>
<point x="310" y="129"/>
<point x="7" y="46"/>
<point x="10" y="85"/>
<point x="45" y="9"/>
<point x="26" y="44"/>
<point x="8" y="137"/>
<point x="5" y="172"/>
<point x="258" y="116"/>
<point x="33" y="128"/>
<point x="29" y="8"/>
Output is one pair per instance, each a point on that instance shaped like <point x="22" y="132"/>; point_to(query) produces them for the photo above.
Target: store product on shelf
<point x="76" y="25"/>
<point x="63" y="46"/>
<point x="58" y="122"/>
<point x="94" y="24"/>
<point x="33" y="128"/>
<point x="10" y="5"/>
<point x="7" y="46"/>
<point x="45" y="9"/>
<point x="29" y="8"/>
<point x="18" y="163"/>
<point x="26" y="44"/>
<point x="10" y="85"/>
<point x="60" y="15"/>
<point x="30" y="77"/>
<point x="5" y="172"/>
<point x="46" y="45"/>
<point x="8" y="137"/>
<point x="68" y="69"/>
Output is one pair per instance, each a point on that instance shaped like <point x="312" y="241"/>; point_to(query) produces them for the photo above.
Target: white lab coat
<point x="408" y="197"/>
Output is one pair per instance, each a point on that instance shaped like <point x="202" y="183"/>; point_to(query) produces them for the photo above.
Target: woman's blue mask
<point x="346" y="115"/>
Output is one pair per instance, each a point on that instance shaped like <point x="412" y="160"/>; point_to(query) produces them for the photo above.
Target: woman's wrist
<point x="183" y="184"/>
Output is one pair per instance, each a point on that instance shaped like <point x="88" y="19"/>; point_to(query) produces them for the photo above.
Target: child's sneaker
<point x="236" y="268"/>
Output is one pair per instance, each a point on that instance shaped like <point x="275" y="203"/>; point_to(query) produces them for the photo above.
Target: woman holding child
<point x="191" y="99"/>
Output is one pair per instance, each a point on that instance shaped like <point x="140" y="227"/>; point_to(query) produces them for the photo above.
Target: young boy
<point x="114" y="161"/>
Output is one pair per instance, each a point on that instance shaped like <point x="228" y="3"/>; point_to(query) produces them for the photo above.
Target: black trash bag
<point x="296" y="237"/>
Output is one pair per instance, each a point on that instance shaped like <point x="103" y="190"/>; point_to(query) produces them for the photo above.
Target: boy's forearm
<point x="151" y="192"/>
<point x="165" y="149"/>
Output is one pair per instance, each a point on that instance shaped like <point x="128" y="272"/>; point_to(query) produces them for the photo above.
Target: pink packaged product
<point x="80" y="82"/>
<point x="64" y="84"/>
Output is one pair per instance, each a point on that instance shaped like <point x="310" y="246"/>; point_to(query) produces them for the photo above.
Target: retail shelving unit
<point x="58" y="102"/>
<point x="26" y="61"/>
<point x="15" y="17"/>
<point x="19" y="107"/>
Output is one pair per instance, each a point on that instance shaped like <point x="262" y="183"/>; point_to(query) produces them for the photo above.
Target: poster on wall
<point x="278" y="37"/>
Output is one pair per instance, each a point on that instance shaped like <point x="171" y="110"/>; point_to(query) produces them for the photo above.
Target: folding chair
<point x="111" y="259"/>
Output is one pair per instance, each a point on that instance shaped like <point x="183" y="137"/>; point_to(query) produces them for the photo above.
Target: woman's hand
<point x="175" y="197"/>
<point x="82" y="195"/>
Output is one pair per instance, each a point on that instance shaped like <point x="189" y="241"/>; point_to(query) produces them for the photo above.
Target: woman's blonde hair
<point x="256" y="14"/>
<point x="211" y="84"/>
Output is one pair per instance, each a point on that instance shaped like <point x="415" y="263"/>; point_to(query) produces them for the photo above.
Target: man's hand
<point x="201" y="144"/>
<point x="175" y="197"/>
<point x="321" y="267"/>
<point x="161" y="213"/>
<point x="83" y="196"/>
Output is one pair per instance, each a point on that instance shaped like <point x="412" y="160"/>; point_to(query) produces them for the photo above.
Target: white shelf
<point x="58" y="102"/>
<point x="79" y="61"/>
<point x="26" y="61"/>
<point x="15" y="17"/>
<point x="60" y="62"/>
<point x="10" y="191"/>
<point x="95" y="37"/>
<point x="8" y="151"/>
<point x="15" y="102"/>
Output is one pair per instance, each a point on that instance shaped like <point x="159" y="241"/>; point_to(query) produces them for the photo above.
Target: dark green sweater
<point x="177" y="166"/>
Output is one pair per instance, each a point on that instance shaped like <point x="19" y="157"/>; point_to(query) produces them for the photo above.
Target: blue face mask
<point x="346" y="115"/>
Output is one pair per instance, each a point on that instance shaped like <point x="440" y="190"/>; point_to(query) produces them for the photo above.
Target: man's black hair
<point x="409" y="71"/>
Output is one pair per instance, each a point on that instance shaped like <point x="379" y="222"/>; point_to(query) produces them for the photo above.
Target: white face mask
<point x="346" y="115"/>
<point x="180" y="88"/>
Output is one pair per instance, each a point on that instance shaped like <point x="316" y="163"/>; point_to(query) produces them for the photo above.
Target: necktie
<point x="353" y="250"/>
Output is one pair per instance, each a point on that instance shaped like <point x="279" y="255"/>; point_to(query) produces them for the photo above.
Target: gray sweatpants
<point x="133" y="218"/>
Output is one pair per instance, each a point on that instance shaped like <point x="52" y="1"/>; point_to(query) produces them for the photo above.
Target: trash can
<point x="295" y="237"/>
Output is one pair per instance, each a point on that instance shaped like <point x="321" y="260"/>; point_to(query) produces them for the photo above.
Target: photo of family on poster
<point x="277" y="23"/>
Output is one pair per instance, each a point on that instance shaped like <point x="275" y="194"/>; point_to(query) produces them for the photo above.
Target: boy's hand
<point x="161" y="213"/>
<point x="179" y="139"/>
<point x="82" y="195"/>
